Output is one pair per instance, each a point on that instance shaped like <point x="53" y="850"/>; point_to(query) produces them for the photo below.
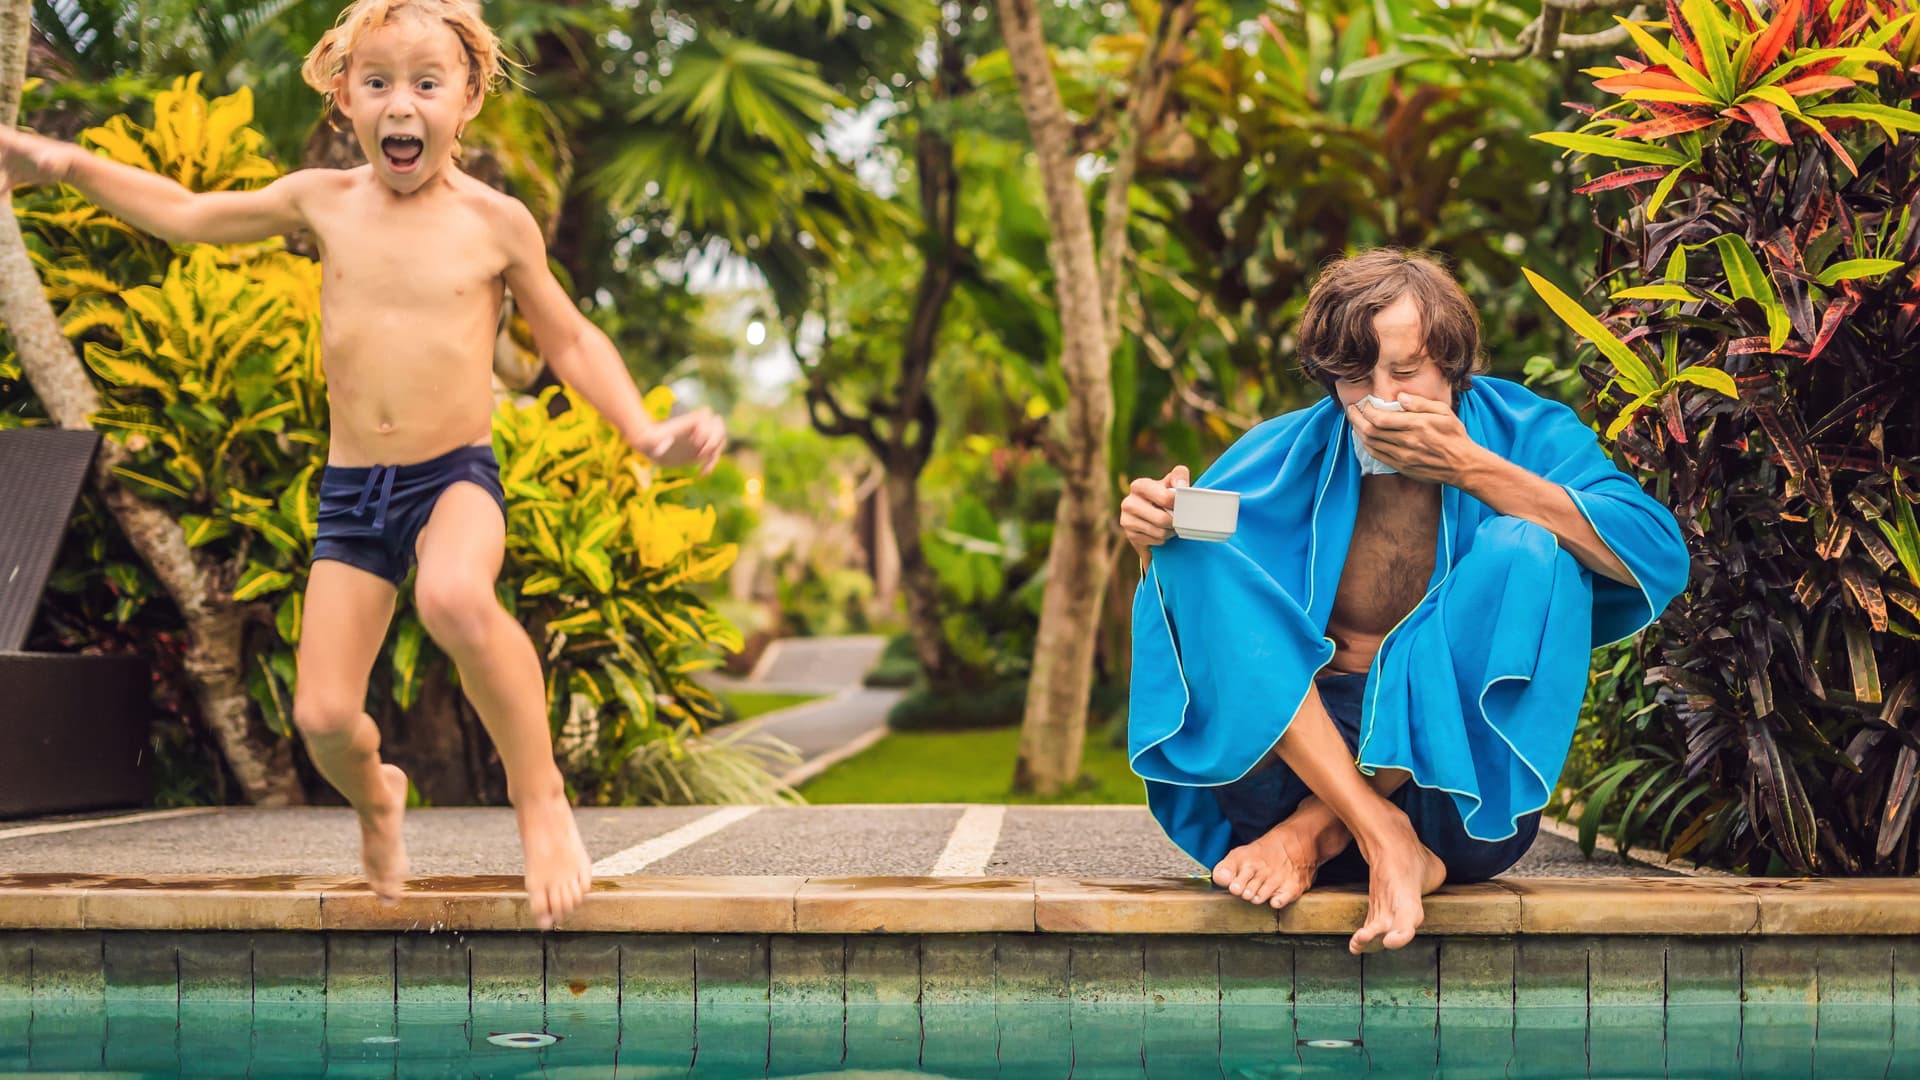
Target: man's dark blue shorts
<point x="370" y="517"/>
<point x="1268" y="795"/>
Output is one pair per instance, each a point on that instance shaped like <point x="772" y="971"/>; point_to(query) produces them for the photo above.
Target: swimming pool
<point x="356" y="1003"/>
<point x="153" y="1038"/>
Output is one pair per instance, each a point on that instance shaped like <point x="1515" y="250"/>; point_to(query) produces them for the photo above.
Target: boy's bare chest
<point x="413" y="259"/>
<point x="1390" y="558"/>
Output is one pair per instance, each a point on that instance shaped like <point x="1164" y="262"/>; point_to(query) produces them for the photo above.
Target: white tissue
<point x="1370" y="465"/>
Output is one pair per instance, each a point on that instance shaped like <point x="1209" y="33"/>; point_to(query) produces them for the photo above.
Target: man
<point x="1377" y="676"/>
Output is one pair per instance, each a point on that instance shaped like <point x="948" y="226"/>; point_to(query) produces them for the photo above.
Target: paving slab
<point x="817" y="662"/>
<point x="315" y="840"/>
<point x="825" y="841"/>
<point x="821" y="727"/>
<point x="806" y="841"/>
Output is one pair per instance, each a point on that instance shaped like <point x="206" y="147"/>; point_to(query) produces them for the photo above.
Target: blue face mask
<point x="1370" y="465"/>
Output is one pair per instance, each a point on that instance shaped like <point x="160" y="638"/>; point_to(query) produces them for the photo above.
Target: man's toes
<point x="1287" y="894"/>
<point x="1365" y="938"/>
<point x="1243" y="878"/>
<point x="542" y="907"/>
<point x="1227" y="870"/>
<point x="1404" y="928"/>
<point x="1259" y="888"/>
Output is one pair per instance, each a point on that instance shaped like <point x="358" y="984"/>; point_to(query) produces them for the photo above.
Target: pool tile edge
<point x="1050" y="905"/>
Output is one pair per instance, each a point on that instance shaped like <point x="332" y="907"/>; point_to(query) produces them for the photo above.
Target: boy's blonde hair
<point x="327" y="63"/>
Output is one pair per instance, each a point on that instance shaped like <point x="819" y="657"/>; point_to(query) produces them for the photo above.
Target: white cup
<point x="1205" y="513"/>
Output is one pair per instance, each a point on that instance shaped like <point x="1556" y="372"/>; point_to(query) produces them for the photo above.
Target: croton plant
<point x="1758" y="364"/>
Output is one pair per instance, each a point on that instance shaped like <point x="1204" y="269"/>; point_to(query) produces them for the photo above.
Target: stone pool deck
<point x="920" y="869"/>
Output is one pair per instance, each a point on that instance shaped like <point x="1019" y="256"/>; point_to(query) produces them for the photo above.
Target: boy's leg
<point x="343" y="622"/>
<point x="460" y="552"/>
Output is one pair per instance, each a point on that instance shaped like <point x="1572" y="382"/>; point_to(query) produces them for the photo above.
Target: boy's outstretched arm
<point x="154" y="203"/>
<point x="585" y="359"/>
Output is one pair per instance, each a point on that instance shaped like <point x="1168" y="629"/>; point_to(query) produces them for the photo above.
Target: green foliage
<point x="992" y="706"/>
<point x="991" y="505"/>
<point x="1758" y="365"/>
<point x="967" y="767"/>
<point x="602" y="566"/>
<point x="898" y="666"/>
<point x="747" y="704"/>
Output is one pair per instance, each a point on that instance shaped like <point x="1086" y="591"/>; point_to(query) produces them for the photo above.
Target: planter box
<point x="73" y="732"/>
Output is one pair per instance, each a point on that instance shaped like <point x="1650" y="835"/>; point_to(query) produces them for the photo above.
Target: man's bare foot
<point x="558" y="870"/>
<point x="383" y="851"/>
<point x="1400" y="870"/>
<point x="1278" y="868"/>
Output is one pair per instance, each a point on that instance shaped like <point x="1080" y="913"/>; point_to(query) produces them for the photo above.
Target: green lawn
<point x="752" y="703"/>
<point x="965" y="767"/>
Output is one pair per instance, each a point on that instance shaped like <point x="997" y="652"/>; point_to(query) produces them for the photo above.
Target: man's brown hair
<point x="1336" y="338"/>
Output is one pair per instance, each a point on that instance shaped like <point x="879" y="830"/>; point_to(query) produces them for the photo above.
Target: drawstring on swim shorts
<point x="386" y="493"/>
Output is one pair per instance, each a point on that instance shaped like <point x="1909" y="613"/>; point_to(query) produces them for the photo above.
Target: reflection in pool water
<point x="1053" y="1039"/>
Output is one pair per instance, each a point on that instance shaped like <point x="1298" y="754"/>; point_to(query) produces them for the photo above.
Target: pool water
<point x="138" y="1038"/>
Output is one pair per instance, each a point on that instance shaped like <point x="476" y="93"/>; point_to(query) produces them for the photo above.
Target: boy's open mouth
<point x="402" y="152"/>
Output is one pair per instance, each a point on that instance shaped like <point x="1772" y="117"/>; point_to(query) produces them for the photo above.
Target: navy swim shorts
<point x="370" y="517"/>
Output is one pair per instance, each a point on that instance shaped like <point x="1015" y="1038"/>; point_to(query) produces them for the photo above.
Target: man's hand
<point x="1427" y="442"/>
<point x="26" y="158"/>
<point x="1146" y="514"/>
<point x="697" y="436"/>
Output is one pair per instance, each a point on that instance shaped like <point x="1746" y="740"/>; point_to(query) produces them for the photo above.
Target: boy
<point x="415" y="254"/>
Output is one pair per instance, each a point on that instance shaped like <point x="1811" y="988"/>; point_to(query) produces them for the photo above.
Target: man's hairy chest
<point x="1390" y="558"/>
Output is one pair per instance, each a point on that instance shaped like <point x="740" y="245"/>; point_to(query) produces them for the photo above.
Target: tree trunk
<point x="1088" y="288"/>
<point x="1158" y="61"/>
<point x="917" y="579"/>
<point x="1054" y="726"/>
<point x="214" y="659"/>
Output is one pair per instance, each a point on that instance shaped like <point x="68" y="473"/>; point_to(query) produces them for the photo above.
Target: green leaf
<point x="1603" y="146"/>
<point x="1374" y="65"/>
<point x="1634" y="373"/>
<point x="201" y="529"/>
<point x="1866" y="671"/>
<point x="1749" y="282"/>
<point x="594" y="565"/>
<point x="1596" y="804"/>
<point x="1700" y="15"/>
<point x="258" y="581"/>
<point x="406" y="658"/>
<point x="1710" y="377"/>
<point x="1656" y="292"/>
<point x="1775" y="96"/>
<point x="1816" y="56"/>
<point x="1660" y="54"/>
<point x="1851" y="269"/>
<point x="1628" y="412"/>
<point x="1891" y="120"/>
<point x="1677" y="264"/>
<point x="1664" y="188"/>
<point x="287" y="618"/>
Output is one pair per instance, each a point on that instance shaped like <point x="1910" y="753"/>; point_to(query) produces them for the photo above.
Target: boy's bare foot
<point x="1277" y="868"/>
<point x="558" y="870"/>
<point x="1400" y="870"/>
<point x="383" y="851"/>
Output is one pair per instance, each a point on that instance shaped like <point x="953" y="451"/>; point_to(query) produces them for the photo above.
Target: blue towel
<point x="1475" y="692"/>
